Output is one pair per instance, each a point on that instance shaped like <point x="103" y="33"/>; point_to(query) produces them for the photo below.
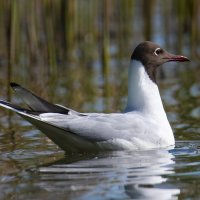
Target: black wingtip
<point x="2" y="102"/>
<point x="13" y="85"/>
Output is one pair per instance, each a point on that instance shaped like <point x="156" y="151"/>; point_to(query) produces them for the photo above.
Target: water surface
<point x="154" y="174"/>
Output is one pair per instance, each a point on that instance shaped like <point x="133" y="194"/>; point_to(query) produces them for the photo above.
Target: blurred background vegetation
<point x="76" y="52"/>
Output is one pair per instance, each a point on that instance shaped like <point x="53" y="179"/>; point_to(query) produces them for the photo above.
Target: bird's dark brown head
<point x="152" y="55"/>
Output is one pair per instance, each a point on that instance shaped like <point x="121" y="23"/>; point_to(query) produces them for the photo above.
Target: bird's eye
<point x="158" y="51"/>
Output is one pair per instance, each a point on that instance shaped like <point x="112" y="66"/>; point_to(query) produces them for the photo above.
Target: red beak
<point x="179" y="58"/>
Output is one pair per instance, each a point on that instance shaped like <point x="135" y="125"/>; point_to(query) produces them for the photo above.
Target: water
<point x="87" y="71"/>
<point x="154" y="174"/>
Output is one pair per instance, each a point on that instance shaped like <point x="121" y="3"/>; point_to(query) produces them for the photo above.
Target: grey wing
<point x="64" y="125"/>
<point x="98" y="127"/>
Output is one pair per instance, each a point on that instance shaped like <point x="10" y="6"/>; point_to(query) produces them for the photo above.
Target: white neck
<point x="143" y="93"/>
<point x="144" y="97"/>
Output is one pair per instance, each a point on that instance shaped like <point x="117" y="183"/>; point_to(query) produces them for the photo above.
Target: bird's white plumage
<point x="143" y="124"/>
<point x="124" y="131"/>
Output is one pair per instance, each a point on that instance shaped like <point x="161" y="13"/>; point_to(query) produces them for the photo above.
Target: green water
<point x="76" y="53"/>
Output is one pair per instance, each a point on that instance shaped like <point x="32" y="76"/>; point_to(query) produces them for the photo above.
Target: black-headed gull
<point x="142" y="125"/>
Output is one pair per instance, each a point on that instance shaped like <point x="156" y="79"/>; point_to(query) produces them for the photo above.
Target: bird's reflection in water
<point x="107" y="175"/>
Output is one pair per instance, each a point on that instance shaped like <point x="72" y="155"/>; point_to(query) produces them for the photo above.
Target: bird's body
<point x="142" y="125"/>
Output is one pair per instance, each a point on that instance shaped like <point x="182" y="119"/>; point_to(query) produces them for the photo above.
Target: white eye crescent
<point x="158" y="51"/>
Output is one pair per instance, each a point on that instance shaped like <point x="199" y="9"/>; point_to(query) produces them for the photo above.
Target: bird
<point x="142" y="125"/>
